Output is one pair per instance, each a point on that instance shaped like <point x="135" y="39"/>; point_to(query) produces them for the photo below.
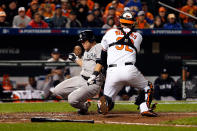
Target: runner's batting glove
<point x="92" y="79"/>
<point x="72" y="57"/>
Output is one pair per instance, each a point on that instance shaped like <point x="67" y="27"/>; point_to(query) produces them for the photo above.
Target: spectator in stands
<point x="134" y="10"/>
<point x="48" y="2"/>
<point x="21" y="20"/>
<point x="3" y="22"/>
<point x="97" y="6"/>
<point x="2" y="5"/>
<point x="32" y="84"/>
<point x="48" y="13"/>
<point x="162" y="15"/>
<point x="37" y="22"/>
<point x="82" y="11"/>
<point x="148" y="16"/>
<point x="11" y="11"/>
<point x="55" y="74"/>
<point x="41" y="12"/>
<point x="78" y="51"/>
<point x="110" y="23"/>
<point x="119" y="8"/>
<point x="172" y="24"/>
<point x="157" y="23"/>
<point x="7" y="84"/>
<point x="164" y="85"/>
<point x="66" y="9"/>
<point x="190" y="87"/>
<point x="73" y="21"/>
<point x="90" y="4"/>
<point x="98" y="17"/>
<point x="111" y="13"/>
<point x="33" y="9"/>
<point x="191" y="9"/>
<point x="90" y="21"/>
<point x="134" y="3"/>
<point x="141" y="23"/>
<point x="58" y="20"/>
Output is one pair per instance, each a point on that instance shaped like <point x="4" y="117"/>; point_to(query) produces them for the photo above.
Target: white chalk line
<point x="163" y="103"/>
<point x="142" y="124"/>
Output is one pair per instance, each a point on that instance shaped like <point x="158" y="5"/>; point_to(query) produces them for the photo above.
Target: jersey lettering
<point x="120" y="33"/>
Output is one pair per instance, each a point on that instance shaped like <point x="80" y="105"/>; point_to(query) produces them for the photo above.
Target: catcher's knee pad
<point x="145" y="95"/>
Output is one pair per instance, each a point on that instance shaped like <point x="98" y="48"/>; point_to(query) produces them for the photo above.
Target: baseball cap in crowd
<point x="164" y="71"/>
<point x="55" y="51"/>
<point x="140" y="13"/>
<point x="58" y="6"/>
<point x="171" y="16"/>
<point x="112" y="8"/>
<point x="162" y="9"/>
<point x="2" y="13"/>
<point x="21" y="9"/>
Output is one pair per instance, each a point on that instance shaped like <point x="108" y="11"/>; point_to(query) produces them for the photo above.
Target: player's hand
<point x="72" y="57"/>
<point x="92" y="80"/>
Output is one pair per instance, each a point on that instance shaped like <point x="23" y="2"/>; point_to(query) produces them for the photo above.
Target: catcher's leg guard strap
<point x="145" y="95"/>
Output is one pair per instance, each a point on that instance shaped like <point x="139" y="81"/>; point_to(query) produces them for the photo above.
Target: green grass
<point x="65" y="107"/>
<point x="184" y="121"/>
<point x="120" y="106"/>
<point x="85" y="127"/>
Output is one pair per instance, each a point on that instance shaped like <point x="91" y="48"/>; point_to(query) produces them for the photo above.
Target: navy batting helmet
<point x="87" y="35"/>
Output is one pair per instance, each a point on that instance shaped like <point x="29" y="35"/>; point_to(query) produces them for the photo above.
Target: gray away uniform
<point x="76" y="89"/>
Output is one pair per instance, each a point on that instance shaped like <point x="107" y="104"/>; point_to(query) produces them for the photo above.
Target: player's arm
<point x="99" y="65"/>
<point x="79" y="62"/>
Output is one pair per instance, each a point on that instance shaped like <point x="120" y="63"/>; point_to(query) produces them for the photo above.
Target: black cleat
<point x="149" y="114"/>
<point x="84" y="111"/>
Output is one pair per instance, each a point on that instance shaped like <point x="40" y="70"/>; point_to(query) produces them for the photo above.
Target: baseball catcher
<point x="120" y="47"/>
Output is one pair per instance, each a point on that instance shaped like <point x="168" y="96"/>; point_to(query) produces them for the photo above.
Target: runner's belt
<point x="115" y="65"/>
<point x="85" y="77"/>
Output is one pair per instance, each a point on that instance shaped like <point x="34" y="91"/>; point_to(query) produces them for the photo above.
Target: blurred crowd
<point x="95" y="13"/>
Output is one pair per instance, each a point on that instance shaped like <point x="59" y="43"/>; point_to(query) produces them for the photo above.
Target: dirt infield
<point x="114" y="117"/>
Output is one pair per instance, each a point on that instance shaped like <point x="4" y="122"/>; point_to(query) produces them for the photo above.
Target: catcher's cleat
<point x="149" y="113"/>
<point x="85" y="110"/>
<point x="103" y="105"/>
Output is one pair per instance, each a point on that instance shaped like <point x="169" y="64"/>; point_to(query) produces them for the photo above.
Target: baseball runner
<point x="76" y="89"/>
<point x="120" y="47"/>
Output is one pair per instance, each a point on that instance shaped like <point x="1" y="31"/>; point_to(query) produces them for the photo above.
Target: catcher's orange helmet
<point x="127" y="18"/>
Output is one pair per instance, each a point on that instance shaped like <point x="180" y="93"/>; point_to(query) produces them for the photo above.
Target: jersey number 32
<point x="126" y="47"/>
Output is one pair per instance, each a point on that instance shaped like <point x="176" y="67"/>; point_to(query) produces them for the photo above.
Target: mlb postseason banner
<point x="97" y="31"/>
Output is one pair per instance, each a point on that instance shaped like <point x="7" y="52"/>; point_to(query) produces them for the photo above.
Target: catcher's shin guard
<point x="104" y="105"/>
<point x="144" y="100"/>
<point x="149" y="94"/>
